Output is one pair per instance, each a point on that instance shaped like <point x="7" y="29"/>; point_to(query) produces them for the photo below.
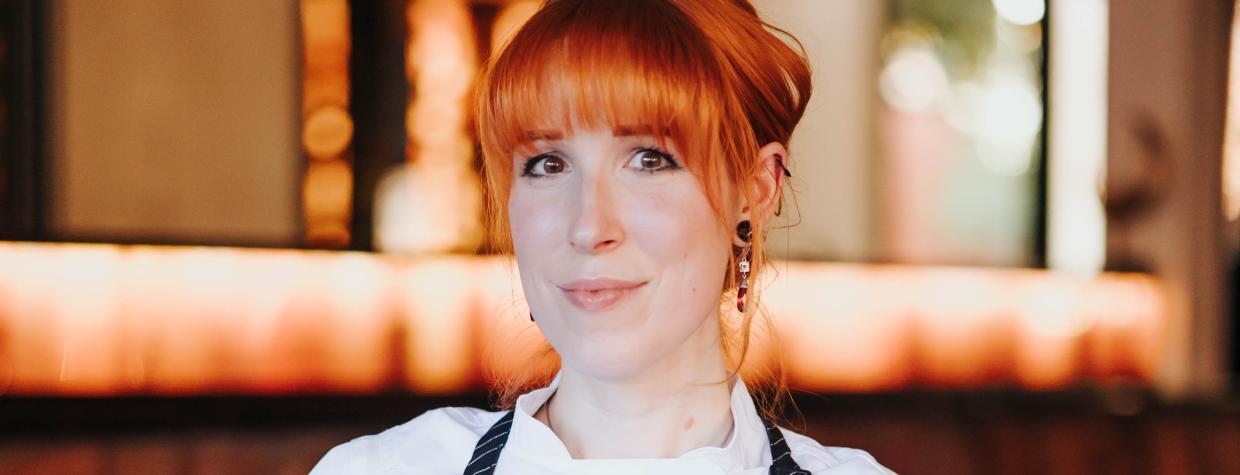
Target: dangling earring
<point x="744" y="288"/>
<point x="531" y="316"/>
<point x="745" y="233"/>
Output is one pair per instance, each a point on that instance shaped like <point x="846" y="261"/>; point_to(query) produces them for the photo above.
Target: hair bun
<point x="747" y="6"/>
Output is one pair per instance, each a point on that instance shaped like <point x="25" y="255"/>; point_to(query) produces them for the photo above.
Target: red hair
<point x="708" y="75"/>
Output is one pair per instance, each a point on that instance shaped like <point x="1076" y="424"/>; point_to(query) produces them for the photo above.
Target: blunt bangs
<point x="634" y="65"/>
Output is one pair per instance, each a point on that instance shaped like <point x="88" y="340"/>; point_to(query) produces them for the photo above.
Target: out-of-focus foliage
<point x="965" y="27"/>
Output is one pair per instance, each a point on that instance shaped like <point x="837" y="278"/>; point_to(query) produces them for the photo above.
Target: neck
<point x="675" y="406"/>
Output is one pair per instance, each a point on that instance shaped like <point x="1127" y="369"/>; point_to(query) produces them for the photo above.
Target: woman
<point x="634" y="151"/>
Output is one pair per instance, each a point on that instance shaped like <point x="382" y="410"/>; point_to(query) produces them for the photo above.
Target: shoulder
<point x="818" y="459"/>
<point x="438" y="441"/>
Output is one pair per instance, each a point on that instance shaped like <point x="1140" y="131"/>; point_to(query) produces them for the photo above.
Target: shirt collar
<point x="744" y="449"/>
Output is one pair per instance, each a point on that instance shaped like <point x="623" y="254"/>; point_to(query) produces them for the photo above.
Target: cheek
<point x="534" y="224"/>
<point x="675" y="223"/>
<point x="677" y="229"/>
<point x="532" y="221"/>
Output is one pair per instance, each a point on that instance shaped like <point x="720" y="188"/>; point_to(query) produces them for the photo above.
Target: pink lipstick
<point x="596" y="295"/>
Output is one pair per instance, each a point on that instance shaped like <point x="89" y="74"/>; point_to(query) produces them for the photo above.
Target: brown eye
<point x="552" y="165"/>
<point x="650" y="161"/>
<point x="544" y="165"/>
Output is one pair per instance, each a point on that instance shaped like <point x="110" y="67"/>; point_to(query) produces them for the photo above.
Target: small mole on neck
<point x="688" y="423"/>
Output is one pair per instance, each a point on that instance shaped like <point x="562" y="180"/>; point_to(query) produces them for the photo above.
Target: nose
<point x="596" y="228"/>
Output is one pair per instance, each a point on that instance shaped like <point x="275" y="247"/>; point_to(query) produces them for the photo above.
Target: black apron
<point x="486" y="453"/>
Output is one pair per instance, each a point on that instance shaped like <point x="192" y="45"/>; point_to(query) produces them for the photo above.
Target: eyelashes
<point x="528" y="169"/>
<point x="667" y="162"/>
<point x="542" y="159"/>
<point x="649" y="160"/>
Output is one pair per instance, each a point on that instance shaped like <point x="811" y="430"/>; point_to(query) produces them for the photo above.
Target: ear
<point x="765" y="189"/>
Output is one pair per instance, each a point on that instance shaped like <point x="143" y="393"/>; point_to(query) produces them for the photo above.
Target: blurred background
<point x="237" y="233"/>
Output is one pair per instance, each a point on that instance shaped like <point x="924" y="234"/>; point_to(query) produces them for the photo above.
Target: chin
<point x="625" y="343"/>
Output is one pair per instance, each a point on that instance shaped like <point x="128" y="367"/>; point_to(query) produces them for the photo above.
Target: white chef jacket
<point x="441" y="441"/>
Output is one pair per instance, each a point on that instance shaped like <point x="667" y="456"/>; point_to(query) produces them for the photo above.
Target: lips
<point x="596" y="295"/>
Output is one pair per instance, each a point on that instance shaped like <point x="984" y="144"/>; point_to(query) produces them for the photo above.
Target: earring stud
<point x="744" y="230"/>
<point x="780" y="161"/>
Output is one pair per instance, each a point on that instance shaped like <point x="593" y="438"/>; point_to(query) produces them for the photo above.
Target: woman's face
<point x="622" y="258"/>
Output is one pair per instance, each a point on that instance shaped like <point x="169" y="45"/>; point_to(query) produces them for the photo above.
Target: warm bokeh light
<point x="510" y="20"/>
<point x="436" y="299"/>
<point x="327" y="127"/>
<point x="328" y="191"/>
<point x="327" y="133"/>
<point x="961" y="323"/>
<point x="434" y="203"/>
<point x="1231" y="137"/>
<point x="836" y="328"/>
<point x="104" y="320"/>
<point x="329" y="234"/>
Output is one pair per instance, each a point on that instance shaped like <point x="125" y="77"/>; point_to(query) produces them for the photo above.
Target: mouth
<point x="597" y="295"/>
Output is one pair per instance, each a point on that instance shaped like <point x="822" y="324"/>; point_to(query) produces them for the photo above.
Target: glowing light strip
<point x="1076" y="228"/>
<point x="103" y="320"/>
<point x="327" y="128"/>
<point x="1231" y="141"/>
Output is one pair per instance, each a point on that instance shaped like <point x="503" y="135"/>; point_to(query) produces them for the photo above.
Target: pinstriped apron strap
<point x="781" y="455"/>
<point x="486" y="453"/>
